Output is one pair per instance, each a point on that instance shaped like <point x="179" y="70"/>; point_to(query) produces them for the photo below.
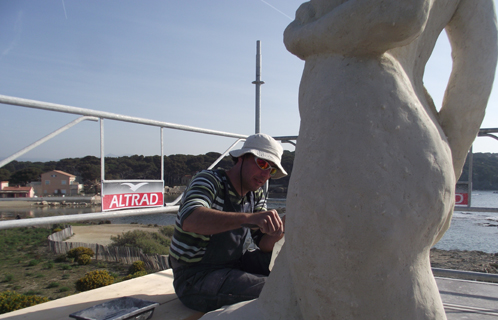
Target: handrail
<point x="465" y="275"/>
<point x="18" y="223"/>
<point x="108" y="115"/>
<point x="45" y="139"/>
<point x="94" y="115"/>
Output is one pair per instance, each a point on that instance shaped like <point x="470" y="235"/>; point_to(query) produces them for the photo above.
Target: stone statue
<point x="372" y="187"/>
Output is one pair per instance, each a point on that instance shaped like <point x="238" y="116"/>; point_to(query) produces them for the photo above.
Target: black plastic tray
<point x="118" y="309"/>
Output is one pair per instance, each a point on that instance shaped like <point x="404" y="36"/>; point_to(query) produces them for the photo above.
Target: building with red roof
<point x="16" y="191"/>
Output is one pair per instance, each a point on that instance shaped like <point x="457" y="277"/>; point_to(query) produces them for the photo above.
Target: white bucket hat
<point x="265" y="147"/>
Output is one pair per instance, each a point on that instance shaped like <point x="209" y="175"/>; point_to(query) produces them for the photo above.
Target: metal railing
<point x="172" y="207"/>
<point x="94" y="115"/>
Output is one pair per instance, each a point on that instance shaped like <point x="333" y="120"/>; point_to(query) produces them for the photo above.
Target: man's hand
<point x="268" y="222"/>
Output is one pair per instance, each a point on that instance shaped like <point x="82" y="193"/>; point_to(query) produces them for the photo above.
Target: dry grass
<point x="28" y="267"/>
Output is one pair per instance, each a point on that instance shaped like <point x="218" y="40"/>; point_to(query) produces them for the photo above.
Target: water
<point x="468" y="230"/>
<point x="473" y="230"/>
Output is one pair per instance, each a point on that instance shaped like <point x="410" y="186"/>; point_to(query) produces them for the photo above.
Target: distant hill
<point x="485" y="168"/>
<point x="484" y="171"/>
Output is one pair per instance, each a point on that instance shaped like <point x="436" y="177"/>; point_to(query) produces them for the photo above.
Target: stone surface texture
<point x="372" y="187"/>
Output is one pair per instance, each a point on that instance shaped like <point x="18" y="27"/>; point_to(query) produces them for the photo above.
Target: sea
<point x="468" y="231"/>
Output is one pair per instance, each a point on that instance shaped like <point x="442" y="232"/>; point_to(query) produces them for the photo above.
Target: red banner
<point x="132" y="200"/>
<point x="461" y="199"/>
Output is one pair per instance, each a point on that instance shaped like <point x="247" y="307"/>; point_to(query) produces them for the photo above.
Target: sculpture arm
<point x="473" y="36"/>
<point x="355" y="26"/>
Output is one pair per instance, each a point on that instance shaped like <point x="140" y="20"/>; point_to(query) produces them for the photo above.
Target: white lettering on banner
<point x="130" y="200"/>
<point x="458" y="198"/>
<point x="134" y="201"/>
<point x="144" y="199"/>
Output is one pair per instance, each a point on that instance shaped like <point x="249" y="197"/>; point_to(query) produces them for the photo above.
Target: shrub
<point x="49" y="265"/>
<point x="57" y="227"/>
<point x="8" y="277"/>
<point x="63" y="289"/>
<point x="84" y="259"/>
<point x="66" y="267"/>
<point x="149" y="242"/>
<point x="61" y="258"/>
<point x="167" y="231"/>
<point x="33" y="263"/>
<point x="136" y="267"/>
<point x="94" y="279"/>
<point x="53" y="285"/>
<point x="11" y="301"/>
<point x="135" y="275"/>
<point x="76" y="252"/>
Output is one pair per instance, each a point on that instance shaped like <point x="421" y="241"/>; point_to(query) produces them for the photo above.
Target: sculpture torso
<point x="371" y="187"/>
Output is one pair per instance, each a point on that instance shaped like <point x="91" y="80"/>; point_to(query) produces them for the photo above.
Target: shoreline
<point x="476" y="261"/>
<point x="17" y="204"/>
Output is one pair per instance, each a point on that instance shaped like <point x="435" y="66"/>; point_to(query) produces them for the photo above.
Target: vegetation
<point x="24" y="282"/>
<point x="84" y="259"/>
<point x="137" y="266"/>
<point x="11" y="301"/>
<point x="129" y="167"/>
<point x="135" y="275"/>
<point x="485" y="169"/>
<point x="149" y="242"/>
<point x="80" y="251"/>
<point x="94" y="279"/>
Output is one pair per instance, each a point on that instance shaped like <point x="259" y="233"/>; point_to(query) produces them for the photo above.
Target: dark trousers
<point x="206" y="287"/>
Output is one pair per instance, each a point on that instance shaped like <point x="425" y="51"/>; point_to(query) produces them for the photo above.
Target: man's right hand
<point x="268" y="222"/>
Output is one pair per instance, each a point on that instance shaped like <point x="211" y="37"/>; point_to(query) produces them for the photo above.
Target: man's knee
<point x="220" y="288"/>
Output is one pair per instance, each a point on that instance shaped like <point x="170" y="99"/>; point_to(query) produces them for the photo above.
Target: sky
<point x="187" y="62"/>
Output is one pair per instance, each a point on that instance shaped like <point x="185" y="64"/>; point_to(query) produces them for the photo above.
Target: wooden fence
<point x="125" y="255"/>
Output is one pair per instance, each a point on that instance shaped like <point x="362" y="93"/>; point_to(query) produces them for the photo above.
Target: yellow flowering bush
<point x="11" y="301"/>
<point x="94" y="279"/>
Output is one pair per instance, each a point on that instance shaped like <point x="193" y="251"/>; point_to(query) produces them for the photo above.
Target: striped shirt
<point x="207" y="189"/>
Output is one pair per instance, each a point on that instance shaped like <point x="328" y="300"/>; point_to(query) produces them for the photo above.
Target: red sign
<point x="461" y="199"/>
<point x="120" y="194"/>
<point x="132" y="200"/>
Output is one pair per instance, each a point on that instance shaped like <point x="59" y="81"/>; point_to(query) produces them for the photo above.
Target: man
<point x="224" y="235"/>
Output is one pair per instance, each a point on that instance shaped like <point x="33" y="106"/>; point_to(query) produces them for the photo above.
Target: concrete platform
<point x="157" y="287"/>
<point x="462" y="300"/>
<point x="465" y="299"/>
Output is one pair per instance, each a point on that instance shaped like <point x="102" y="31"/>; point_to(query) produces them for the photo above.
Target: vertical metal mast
<point x="258" y="84"/>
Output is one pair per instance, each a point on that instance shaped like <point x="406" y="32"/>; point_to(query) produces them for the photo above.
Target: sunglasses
<point x="264" y="165"/>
